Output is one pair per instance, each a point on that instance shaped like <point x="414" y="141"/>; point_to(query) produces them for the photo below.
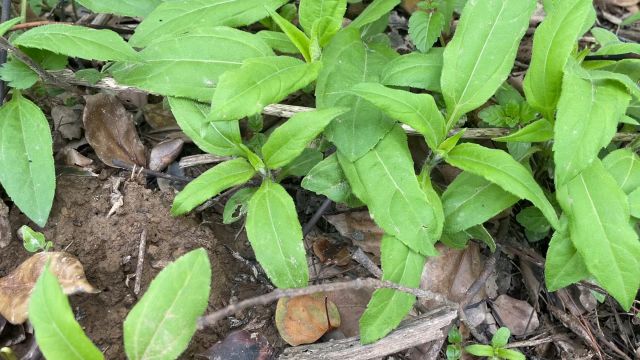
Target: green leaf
<point x="78" y="41"/>
<point x="385" y="180"/>
<point x="479" y="350"/>
<point x="92" y="76"/>
<point x="471" y="200"/>
<point x="553" y="42"/>
<point x="162" y="323"/>
<point x="32" y="240"/>
<point x="501" y="337"/>
<point x="479" y="232"/>
<point x="137" y="8"/>
<point x="179" y="16"/>
<point x="417" y="70"/>
<point x="291" y="138"/>
<point x="276" y="236"/>
<point x="17" y="74"/>
<point x="7" y="25"/>
<point x="563" y="265"/>
<point x="388" y="307"/>
<point x="433" y="198"/>
<point x="26" y="158"/>
<point x="278" y="41"/>
<point x="373" y="12"/>
<point x="258" y="83"/>
<point x="601" y="232"/>
<point x="634" y="203"/>
<point x="538" y="131"/>
<point x="416" y="110"/>
<point x="348" y="62"/>
<point x="189" y="65"/>
<point x="500" y="168"/>
<point x="624" y="166"/>
<point x="449" y="143"/>
<point x="631" y="19"/>
<point x="621" y="79"/>
<point x="508" y="354"/>
<point x="301" y="165"/>
<point x="237" y="204"/>
<point x="58" y="334"/>
<point x="218" y="138"/>
<point x="532" y="219"/>
<point x="587" y="120"/>
<point x="297" y="37"/>
<point x="481" y="54"/>
<point x="425" y="28"/>
<point x="312" y="11"/>
<point x="211" y="183"/>
<point x="327" y="178"/>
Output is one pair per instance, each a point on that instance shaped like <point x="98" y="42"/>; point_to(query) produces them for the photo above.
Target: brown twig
<point x="371" y="283"/>
<point x="125" y="166"/>
<point x="361" y="258"/>
<point x="140" y="265"/>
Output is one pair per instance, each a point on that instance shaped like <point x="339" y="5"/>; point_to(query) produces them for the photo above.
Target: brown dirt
<point x="108" y="248"/>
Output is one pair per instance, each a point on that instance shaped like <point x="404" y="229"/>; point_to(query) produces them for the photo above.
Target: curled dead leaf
<point x="359" y="227"/>
<point x="164" y="153"/>
<point x="304" y="319"/>
<point x="16" y="288"/>
<point x="111" y="132"/>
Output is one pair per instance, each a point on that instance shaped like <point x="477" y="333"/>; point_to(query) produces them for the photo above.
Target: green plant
<point x="454" y="349"/>
<point x="496" y="350"/>
<point x="33" y="241"/>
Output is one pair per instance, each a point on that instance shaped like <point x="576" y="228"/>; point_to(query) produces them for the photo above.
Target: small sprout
<point x="33" y="241"/>
<point x="496" y="350"/>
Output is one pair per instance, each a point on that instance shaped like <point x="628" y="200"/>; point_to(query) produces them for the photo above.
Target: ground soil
<point x="108" y="248"/>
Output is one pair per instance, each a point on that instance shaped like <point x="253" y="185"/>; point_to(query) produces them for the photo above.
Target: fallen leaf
<point x="164" y="153"/>
<point x="158" y="117"/>
<point x="304" y="319"/>
<point x="359" y="227"/>
<point x="241" y="345"/>
<point x="72" y="157"/>
<point x="410" y="5"/>
<point x="329" y="253"/>
<point x="110" y="130"/>
<point x="351" y="304"/>
<point x="67" y="122"/>
<point x="16" y="288"/>
<point x="520" y="317"/>
<point x="5" y="226"/>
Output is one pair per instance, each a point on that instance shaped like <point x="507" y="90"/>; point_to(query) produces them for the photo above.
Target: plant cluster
<point x="560" y="156"/>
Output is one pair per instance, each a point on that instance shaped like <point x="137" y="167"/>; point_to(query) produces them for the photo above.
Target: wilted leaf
<point x="164" y="153"/>
<point x="304" y="319"/>
<point x="110" y="130"/>
<point x="16" y="288"/>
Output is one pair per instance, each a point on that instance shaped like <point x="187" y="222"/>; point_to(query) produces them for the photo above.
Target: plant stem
<point x="23" y="11"/>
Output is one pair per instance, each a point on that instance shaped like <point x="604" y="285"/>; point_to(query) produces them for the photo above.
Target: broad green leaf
<point x="179" y="16"/>
<point x="553" y="42"/>
<point x="278" y="41"/>
<point x="7" y="25"/>
<point x="301" y="165"/>
<point x="508" y="354"/>
<point x="457" y="240"/>
<point x="218" y="138"/>
<point x="388" y="307"/>
<point x="500" y="168"/>
<point x="348" y="62"/>
<point x="611" y="45"/>
<point x="415" y="70"/>
<point x="425" y="28"/>
<point x="162" y="323"/>
<point x="501" y="337"/>
<point x="27" y="170"/>
<point x="622" y="79"/>
<point x="624" y="166"/>
<point x="315" y="10"/>
<point x="479" y="350"/>
<point x="78" y="41"/>
<point x="634" y="203"/>
<point x="416" y="110"/>
<point x="276" y="236"/>
<point x="479" y="232"/>
<point x="140" y="8"/>
<point x="258" y="83"/>
<point x="189" y="64"/>
<point x="481" y="54"/>
<point x="17" y="74"/>
<point x="563" y="265"/>
<point x="327" y="178"/>
<point x="385" y="180"/>
<point x="601" y="232"/>
<point x="291" y="138"/>
<point x="471" y="200"/>
<point x="211" y="183"/>
<point x="58" y="334"/>
<point x="297" y="37"/>
<point x="537" y="131"/>
<point x="237" y="204"/>
<point x="587" y="120"/>
<point x="376" y="10"/>
<point x="532" y="219"/>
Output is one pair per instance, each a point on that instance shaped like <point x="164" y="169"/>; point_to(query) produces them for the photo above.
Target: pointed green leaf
<point x="189" y="64"/>
<point x="481" y="54"/>
<point x="532" y="219"/>
<point x="289" y="140"/>
<point x="501" y="337"/>
<point x="138" y="8"/>
<point x="211" y="183"/>
<point x="425" y="28"/>
<point x="385" y="180"/>
<point x="27" y="170"/>
<point x="388" y="307"/>
<point x="587" y="120"/>
<point x="327" y="178"/>
<point x="563" y="266"/>
<point x="301" y="165"/>
<point x="424" y="179"/>
<point x="276" y="236"/>
<point x="537" y="131"/>
<point x="500" y="168"/>
<point x="471" y="200"/>
<point x="258" y="83"/>
<point x="58" y="334"/>
<point x="415" y="70"/>
<point x="376" y="10"/>
<point x="17" y="74"/>
<point x="78" y="41"/>
<point x="278" y="41"/>
<point x="601" y="232"/>
<point x="179" y="16"/>
<point x="297" y="37"/>
<point x="479" y="232"/>
<point x="479" y="350"/>
<point x="622" y="79"/>
<point x="7" y="25"/>
<point x="416" y="110"/>
<point x="162" y="323"/>
<point x="314" y="10"/>
<point x="624" y="166"/>
<point x="219" y="138"/>
<point x="553" y="42"/>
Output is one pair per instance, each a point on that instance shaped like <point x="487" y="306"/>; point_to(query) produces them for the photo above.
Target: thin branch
<point x="370" y="283"/>
<point x="125" y="166"/>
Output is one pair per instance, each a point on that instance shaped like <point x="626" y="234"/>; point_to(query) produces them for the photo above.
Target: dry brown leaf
<point x="359" y="227"/>
<point x="410" y="5"/>
<point x="520" y="317"/>
<point x="72" y="157"/>
<point x="67" y="122"/>
<point x="329" y="253"/>
<point x="623" y="3"/>
<point x="110" y="130"/>
<point x="241" y="344"/>
<point x="5" y="226"/>
<point x="16" y="288"/>
<point x="164" y="153"/>
<point x="351" y="304"/>
<point x="304" y="319"/>
<point x="158" y="117"/>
